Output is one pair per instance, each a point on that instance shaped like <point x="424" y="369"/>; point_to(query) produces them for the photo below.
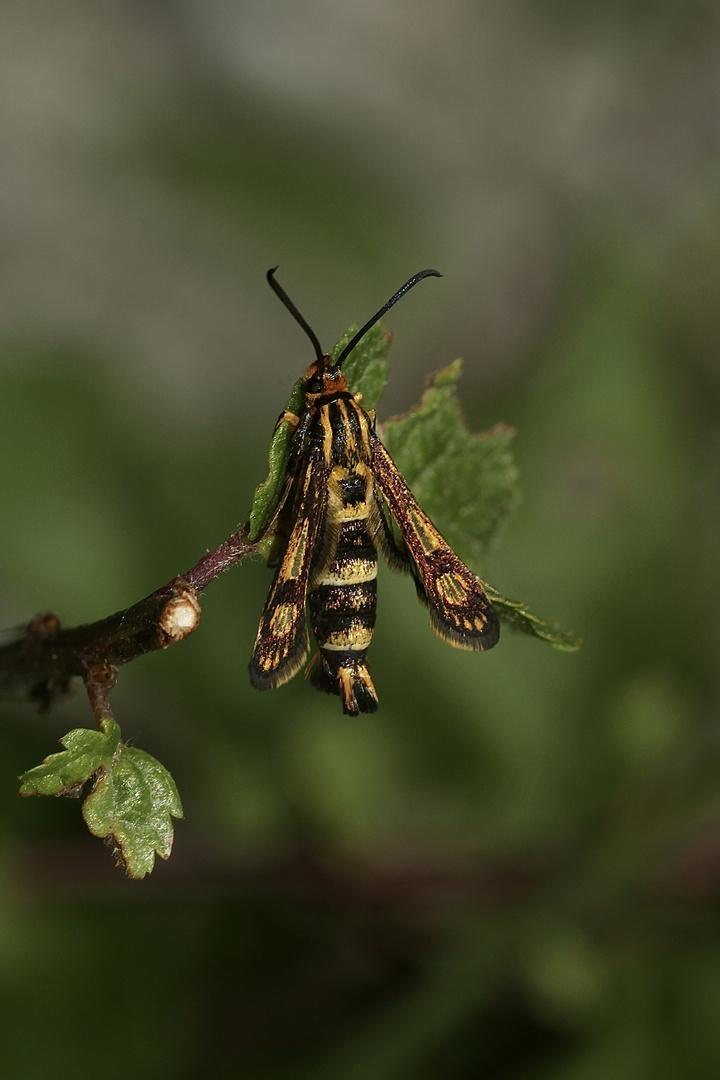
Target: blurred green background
<point x="513" y="870"/>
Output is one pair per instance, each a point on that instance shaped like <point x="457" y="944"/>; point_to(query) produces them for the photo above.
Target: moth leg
<point x="288" y="418"/>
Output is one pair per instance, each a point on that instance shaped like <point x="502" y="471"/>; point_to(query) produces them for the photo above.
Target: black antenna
<point x="279" y="291"/>
<point x="386" y="307"/>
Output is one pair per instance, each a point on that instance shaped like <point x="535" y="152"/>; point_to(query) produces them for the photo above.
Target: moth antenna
<point x="279" y="291"/>
<point x="386" y="307"/>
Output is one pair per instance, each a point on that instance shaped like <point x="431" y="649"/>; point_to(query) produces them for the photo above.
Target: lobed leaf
<point x="64" y="773"/>
<point x="467" y="483"/>
<point x="133" y="804"/>
<point x="133" y="800"/>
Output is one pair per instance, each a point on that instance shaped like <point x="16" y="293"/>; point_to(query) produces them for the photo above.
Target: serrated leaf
<point x="65" y="772"/>
<point x="132" y="804"/>
<point x="134" y="798"/>
<point x="366" y="368"/>
<point x="517" y="615"/>
<point x="467" y="483"/>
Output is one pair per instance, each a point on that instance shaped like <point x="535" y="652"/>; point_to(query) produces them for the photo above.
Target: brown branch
<point x="41" y="664"/>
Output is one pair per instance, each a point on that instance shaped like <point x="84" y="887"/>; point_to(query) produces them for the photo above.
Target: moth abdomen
<point x="345" y="674"/>
<point x="343" y="601"/>
<point x="342" y="605"/>
<point x="336" y="606"/>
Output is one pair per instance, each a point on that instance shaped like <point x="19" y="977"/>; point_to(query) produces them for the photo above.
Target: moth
<point x="342" y="490"/>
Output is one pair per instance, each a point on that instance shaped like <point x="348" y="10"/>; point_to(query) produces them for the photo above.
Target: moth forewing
<point x="282" y="642"/>
<point x="460" y="611"/>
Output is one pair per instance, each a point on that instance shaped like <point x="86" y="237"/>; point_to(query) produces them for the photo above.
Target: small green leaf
<point x="133" y="804"/>
<point x="467" y="483"/>
<point x="63" y="773"/>
<point x="516" y="615"/>
<point x="268" y="493"/>
<point x="366" y="368"/>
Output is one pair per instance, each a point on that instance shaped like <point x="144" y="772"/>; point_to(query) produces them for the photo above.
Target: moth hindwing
<point x="339" y="478"/>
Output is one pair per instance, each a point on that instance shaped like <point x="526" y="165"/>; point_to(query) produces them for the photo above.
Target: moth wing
<point x="460" y="612"/>
<point x="282" y="642"/>
<point x="381" y="530"/>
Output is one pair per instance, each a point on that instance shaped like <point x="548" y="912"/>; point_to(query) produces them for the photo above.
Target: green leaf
<point x="516" y="615"/>
<point x="132" y="802"/>
<point x="66" y="772"/>
<point x="366" y="368"/>
<point x="467" y="483"/>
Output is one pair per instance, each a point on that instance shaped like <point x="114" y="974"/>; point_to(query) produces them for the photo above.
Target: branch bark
<point x="40" y="665"/>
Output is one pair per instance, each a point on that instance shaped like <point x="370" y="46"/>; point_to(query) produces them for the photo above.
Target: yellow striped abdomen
<point x="342" y="599"/>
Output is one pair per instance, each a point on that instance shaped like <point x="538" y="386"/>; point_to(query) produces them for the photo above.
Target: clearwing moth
<point x="341" y="487"/>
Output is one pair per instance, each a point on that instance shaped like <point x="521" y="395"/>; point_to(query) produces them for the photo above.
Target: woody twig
<point x="41" y="664"/>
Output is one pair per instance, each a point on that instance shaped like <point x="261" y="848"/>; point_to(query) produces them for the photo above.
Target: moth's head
<point x="323" y="378"/>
